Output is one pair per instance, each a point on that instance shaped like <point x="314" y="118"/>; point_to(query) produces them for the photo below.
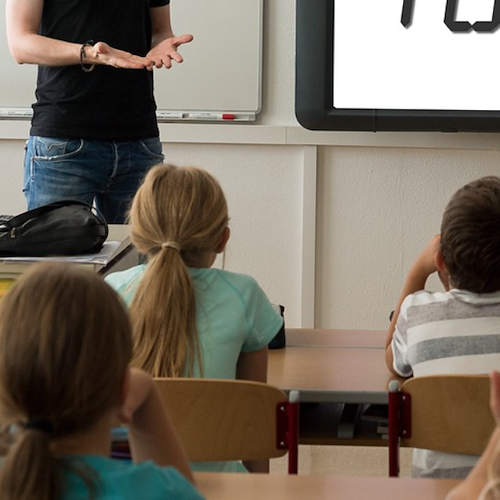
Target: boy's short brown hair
<point x="470" y="236"/>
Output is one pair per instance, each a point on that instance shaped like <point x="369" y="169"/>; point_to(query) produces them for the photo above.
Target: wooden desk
<point x="336" y="385"/>
<point x="226" y="486"/>
<point x="314" y="337"/>
<point x="337" y="375"/>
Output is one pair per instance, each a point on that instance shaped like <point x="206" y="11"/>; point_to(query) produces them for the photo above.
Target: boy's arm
<point x="151" y="434"/>
<point x="421" y="269"/>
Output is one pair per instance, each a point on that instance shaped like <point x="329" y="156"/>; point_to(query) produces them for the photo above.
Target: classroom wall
<point x="327" y="222"/>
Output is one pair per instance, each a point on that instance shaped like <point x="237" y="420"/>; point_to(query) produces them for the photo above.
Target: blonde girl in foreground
<point x="190" y="320"/>
<point x="65" y="347"/>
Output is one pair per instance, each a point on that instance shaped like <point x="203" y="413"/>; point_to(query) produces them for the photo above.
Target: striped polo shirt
<point x="455" y="332"/>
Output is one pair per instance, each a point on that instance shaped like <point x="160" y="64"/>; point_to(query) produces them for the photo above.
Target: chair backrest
<point x="448" y="413"/>
<point x="232" y="419"/>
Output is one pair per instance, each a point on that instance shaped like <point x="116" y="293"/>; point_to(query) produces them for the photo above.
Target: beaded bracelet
<point x="86" y="67"/>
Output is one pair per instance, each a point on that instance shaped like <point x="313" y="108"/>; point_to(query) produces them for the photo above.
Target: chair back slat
<point x="224" y="419"/>
<point x="449" y="413"/>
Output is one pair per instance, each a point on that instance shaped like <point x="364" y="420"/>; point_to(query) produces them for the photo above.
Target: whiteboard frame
<point x="233" y="79"/>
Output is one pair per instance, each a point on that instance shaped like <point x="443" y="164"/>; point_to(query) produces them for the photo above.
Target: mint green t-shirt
<point x="122" y="480"/>
<point x="233" y="315"/>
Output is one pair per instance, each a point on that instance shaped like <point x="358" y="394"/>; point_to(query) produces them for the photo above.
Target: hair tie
<point x="171" y="244"/>
<point x="40" y="424"/>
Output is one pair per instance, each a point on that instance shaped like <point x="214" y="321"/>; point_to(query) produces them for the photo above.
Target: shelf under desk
<point x="335" y="385"/>
<point x="337" y="424"/>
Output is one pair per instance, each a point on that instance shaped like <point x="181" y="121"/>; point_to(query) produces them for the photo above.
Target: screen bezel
<point x="314" y="90"/>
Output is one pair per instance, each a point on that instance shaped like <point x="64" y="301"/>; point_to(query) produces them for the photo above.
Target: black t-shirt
<point x="106" y="103"/>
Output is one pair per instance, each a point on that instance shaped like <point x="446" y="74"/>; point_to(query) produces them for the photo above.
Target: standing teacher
<point x="94" y="132"/>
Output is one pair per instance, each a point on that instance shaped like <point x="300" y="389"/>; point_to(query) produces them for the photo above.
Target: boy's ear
<point x="442" y="270"/>
<point x="439" y="261"/>
<point x="223" y="241"/>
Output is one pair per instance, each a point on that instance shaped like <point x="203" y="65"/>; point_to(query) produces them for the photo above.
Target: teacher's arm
<point x="27" y="46"/>
<point x="164" y="43"/>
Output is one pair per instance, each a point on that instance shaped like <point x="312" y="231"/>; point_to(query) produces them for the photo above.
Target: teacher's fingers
<point x="186" y="38"/>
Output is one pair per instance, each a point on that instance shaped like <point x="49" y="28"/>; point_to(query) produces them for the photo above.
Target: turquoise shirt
<point x="122" y="480"/>
<point x="233" y="316"/>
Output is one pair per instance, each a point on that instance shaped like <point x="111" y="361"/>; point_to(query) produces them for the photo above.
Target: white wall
<point x="377" y="208"/>
<point x="334" y="256"/>
<point x="263" y="185"/>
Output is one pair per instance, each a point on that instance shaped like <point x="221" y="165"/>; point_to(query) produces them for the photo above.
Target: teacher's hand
<point x="165" y="51"/>
<point x="102" y="53"/>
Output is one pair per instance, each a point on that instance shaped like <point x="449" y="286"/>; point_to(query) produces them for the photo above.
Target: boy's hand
<point x="425" y="263"/>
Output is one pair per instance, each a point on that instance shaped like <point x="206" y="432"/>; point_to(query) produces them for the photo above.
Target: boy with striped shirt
<point x="456" y="331"/>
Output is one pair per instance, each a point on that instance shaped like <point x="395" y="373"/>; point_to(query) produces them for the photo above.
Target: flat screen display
<point x="421" y="65"/>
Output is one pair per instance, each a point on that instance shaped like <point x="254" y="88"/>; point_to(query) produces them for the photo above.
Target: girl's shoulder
<point x="212" y="275"/>
<point x="125" y="283"/>
<point x="123" y="278"/>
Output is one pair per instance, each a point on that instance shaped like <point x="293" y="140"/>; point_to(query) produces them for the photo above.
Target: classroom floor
<point x="344" y="461"/>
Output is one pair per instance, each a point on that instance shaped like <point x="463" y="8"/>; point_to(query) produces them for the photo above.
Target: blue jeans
<point x="101" y="172"/>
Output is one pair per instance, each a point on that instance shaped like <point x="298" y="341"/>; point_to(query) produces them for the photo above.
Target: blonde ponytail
<point x="178" y="216"/>
<point x="165" y="302"/>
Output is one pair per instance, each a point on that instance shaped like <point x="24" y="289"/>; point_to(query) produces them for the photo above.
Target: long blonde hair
<point x="177" y="216"/>
<point x="65" y="345"/>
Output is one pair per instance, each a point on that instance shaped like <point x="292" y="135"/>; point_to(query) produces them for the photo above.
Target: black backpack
<point x="62" y="228"/>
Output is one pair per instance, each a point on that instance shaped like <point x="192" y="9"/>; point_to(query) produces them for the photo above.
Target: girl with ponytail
<point x="65" y="348"/>
<point x="189" y="319"/>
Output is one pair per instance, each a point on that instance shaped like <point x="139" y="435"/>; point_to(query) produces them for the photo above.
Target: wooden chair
<point x="448" y="413"/>
<point x="232" y="419"/>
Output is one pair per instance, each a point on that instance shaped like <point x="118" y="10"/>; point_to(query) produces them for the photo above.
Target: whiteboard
<point x="221" y="73"/>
